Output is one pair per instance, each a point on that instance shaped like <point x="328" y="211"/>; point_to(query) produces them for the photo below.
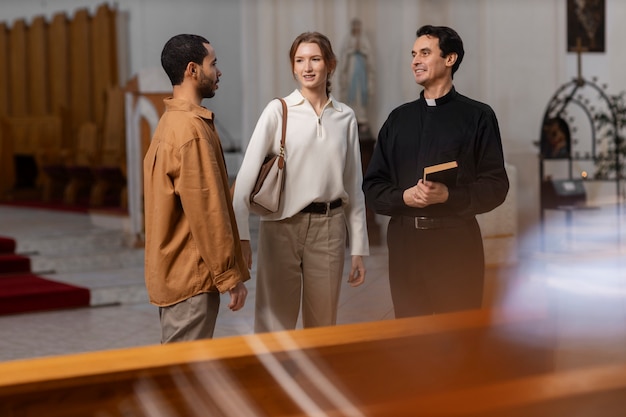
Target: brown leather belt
<point x="423" y="223"/>
<point x="321" y="208"/>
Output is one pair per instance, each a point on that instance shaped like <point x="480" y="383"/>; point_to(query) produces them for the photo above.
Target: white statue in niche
<point x="356" y="75"/>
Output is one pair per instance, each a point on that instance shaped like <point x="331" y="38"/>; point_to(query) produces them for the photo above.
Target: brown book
<point x="445" y="173"/>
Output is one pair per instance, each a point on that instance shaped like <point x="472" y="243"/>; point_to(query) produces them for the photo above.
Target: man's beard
<point x="207" y="91"/>
<point x="207" y="88"/>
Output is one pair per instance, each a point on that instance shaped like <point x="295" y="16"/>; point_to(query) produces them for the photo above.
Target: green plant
<point x="610" y="136"/>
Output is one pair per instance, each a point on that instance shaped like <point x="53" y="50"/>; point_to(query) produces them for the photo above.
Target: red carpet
<point x="58" y="206"/>
<point x="80" y="207"/>
<point x="22" y="291"/>
<point x="6" y="245"/>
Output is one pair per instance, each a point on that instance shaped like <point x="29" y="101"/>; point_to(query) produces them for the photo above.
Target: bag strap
<point x="281" y="155"/>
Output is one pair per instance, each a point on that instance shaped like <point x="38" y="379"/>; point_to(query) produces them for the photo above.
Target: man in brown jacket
<point x="193" y="251"/>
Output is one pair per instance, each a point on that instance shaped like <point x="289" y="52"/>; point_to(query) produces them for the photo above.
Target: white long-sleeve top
<point x="322" y="160"/>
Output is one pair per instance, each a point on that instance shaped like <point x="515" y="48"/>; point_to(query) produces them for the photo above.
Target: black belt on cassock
<point x="422" y="222"/>
<point x="321" y="208"/>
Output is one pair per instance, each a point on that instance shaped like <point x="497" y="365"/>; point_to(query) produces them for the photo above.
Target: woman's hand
<point x="357" y="271"/>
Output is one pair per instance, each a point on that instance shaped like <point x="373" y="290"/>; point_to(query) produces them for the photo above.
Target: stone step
<point x="118" y="258"/>
<point x="84" y="242"/>
<point x="74" y="249"/>
<point x="110" y="286"/>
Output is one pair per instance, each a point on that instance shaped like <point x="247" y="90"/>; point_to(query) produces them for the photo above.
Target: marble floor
<point x="579" y="274"/>
<point x="73" y="248"/>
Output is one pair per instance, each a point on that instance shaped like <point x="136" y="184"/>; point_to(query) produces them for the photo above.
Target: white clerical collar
<point x="431" y="102"/>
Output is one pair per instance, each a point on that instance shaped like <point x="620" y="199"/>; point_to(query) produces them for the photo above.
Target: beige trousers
<point x="191" y="319"/>
<point x="300" y="262"/>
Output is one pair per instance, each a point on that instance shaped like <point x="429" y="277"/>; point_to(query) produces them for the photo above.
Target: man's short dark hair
<point x="449" y="42"/>
<point x="179" y="51"/>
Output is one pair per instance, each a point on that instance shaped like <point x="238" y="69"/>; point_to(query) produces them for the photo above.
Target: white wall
<point x="515" y="55"/>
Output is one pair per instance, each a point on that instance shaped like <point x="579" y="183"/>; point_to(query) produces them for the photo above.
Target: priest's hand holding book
<point x="425" y="193"/>
<point x="432" y="188"/>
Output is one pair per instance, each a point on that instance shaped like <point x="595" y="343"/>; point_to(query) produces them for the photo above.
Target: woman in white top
<point x="301" y="248"/>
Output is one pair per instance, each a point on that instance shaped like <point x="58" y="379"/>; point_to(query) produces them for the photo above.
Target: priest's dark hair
<point x="449" y="42"/>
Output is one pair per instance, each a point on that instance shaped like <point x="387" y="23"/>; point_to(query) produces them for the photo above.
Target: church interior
<point x="81" y="91"/>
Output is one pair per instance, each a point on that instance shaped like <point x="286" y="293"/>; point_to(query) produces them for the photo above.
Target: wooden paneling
<point x="4" y="70"/>
<point x="59" y="70"/>
<point x="59" y="62"/>
<point x="113" y="143"/>
<point x="7" y="174"/>
<point x="81" y="87"/>
<point x="7" y="168"/>
<point x="36" y="135"/>
<point x="38" y="69"/>
<point x="59" y="75"/>
<point x="18" y="64"/>
<point x="104" y="59"/>
<point x="110" y="174"/>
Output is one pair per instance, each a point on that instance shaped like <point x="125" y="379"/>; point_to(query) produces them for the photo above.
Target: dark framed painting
<point x="586" y="25"/>
<point x="556" y="140"/>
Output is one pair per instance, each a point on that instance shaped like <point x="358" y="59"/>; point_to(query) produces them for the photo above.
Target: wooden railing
<point x="428" y="366"/>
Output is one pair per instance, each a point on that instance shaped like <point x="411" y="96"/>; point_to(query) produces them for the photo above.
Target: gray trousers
<point x="300" y="263"/>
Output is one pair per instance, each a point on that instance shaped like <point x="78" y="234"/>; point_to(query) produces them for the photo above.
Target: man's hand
<point x="247" y="252"/>
<point x="238" y="296"/>
<point x="357" y="272"/>
<point x="425" y="193"/>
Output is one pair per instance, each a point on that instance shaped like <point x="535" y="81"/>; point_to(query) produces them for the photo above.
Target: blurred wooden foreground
<point x="476" y="363"/>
